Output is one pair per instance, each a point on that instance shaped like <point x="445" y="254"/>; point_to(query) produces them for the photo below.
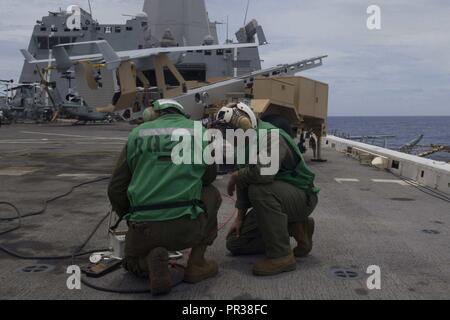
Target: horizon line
<point x="393" y="116"/>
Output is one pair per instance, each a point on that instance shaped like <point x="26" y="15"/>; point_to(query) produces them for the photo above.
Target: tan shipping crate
<point x="279" y="90"/>
<point x="322" y="92"/>
<point x="309" y="97"/>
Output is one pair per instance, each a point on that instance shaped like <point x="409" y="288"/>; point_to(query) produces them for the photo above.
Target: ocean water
<point x="436" y="130"/>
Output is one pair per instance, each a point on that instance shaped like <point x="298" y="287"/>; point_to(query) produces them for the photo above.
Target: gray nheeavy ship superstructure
<point x="189" y="24"/>
<point x="53" y="30"/>
<point x="162" y="24"/>
<point x="187" y="21"/>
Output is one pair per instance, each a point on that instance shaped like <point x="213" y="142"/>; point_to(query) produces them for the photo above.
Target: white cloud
<point x="404" y="68"/>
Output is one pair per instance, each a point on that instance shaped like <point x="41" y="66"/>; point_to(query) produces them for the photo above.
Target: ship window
<point x="395" y="164"/>
<point x="43" y="28"/>
<point x="98" y="28"/>
<point x="219" y="52"/>
<point x="67" y="30"/>
<point x="64" y="40"/>
<point x="208" y="53"/>
<point x="53" y="41"/>
<point x="422" y="174"/>
<point x="42" y="43"/>
<point x="144" y="24"/>
<point x="54" y="29"/>
<point x="108" y="29"/>
<point x="118" y="29"/>
<point x="129" y="28"/>
<point x="85" y="28"/>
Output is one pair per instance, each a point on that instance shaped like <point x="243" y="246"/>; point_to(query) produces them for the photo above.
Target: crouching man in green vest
<point x="168" y="207"/>
<point x="271" y="208"/>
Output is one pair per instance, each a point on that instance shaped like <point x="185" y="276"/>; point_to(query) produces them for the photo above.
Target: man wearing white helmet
<point x="271" y="207"/>
<point x="168" y="207"/>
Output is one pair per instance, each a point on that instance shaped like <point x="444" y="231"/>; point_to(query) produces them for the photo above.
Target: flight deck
<point x="366" y="217"/>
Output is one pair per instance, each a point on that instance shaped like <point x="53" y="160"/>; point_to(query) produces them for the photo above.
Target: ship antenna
<point x="228" y="25"/>
<point x="90" y="7"/>
<point x="246" y="12"/>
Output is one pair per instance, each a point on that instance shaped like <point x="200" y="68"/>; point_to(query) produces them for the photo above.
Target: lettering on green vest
<point x="161" y="190"/>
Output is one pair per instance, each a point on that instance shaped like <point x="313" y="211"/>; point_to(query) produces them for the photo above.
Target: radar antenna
<point x="90" y="8"/>
<point x="228" y="29"/>
<point x="246" y="12"/>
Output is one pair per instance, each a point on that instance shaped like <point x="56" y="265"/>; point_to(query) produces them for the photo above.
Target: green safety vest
<point x="302" y="177"/>
<point x="161" y="190"/>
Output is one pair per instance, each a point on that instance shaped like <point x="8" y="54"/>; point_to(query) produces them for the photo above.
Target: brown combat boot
<point x="303" y="234"/>
<point x="198" y="268"/>
<point x="271" y="267"/>
<point x="159" y="274"/>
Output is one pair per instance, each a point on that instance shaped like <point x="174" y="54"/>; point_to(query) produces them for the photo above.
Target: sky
<point x="402" y="69"/>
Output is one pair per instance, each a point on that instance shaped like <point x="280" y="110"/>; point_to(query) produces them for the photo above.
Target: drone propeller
<point x="45" y="85"/>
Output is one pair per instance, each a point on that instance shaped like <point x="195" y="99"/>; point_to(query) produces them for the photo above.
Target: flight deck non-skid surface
<point x="365" y="217"/>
